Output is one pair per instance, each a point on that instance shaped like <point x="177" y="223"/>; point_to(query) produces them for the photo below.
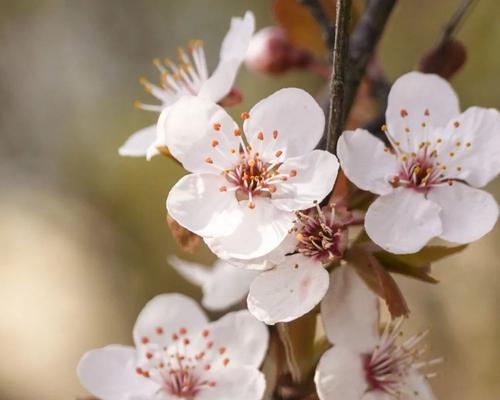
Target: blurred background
<point x="82" y="231"/>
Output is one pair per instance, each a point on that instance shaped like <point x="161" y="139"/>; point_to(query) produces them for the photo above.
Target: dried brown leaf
<point x="186" y="240"/>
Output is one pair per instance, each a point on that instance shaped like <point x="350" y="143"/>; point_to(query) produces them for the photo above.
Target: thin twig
<point x="327" y="26"/>
<point x="336" y="115"/>
<point x="451" y="28"/>
<point x="364" y="40"/>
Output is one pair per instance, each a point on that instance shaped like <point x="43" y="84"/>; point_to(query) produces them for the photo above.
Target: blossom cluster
<point x="260" y="193"/>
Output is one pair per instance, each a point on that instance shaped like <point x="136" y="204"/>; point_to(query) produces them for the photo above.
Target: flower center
<point x="322" y="232"/>
<point x="254" y="177"/>
<point x="390" y="364"/>
<point x="250" y="174"/>
<point x="429" y="162"/>
<point x="420" y="170"/>
<point x="182" y="369"/>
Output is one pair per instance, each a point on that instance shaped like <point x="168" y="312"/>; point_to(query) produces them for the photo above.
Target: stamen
<point x="245" y="115"/>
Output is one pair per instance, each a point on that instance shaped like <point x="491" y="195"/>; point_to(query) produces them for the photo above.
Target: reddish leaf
<point x="378" y="279"/>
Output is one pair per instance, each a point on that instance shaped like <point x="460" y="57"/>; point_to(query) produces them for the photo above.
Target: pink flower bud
<point x="271" y="52"/>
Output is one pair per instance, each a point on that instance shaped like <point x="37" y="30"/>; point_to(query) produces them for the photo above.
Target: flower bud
<point x="271" y="52"/>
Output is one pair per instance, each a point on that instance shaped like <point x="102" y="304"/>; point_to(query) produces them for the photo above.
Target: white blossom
<point x="364" y="364"/>
<point x="428" y="178"/>
<point x="178" y="354"/>
<point x="191" y="77"/>
<point x="246" y="184"/>
<point x="223" y="285"/>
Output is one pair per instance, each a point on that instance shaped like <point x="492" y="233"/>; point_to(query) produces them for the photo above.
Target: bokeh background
<point x="83" y="239"/>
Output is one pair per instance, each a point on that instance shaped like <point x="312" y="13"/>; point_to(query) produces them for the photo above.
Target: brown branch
<point x="364" y="40"/>
<point x="327" y="26"/>
<point x="336" y="115"/>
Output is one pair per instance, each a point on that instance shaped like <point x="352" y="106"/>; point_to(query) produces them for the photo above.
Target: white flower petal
<point x="244" y="338"/>
<point x="294" y="114"/>
<point x="138" y="144"/>
<point x="237" y="39"/>
<point x="189" y="133"/>
<point x="221" y="81"/>
<point x="365" y="162"/>
<point x="260" y="231"/>
<point x="235" y="382"/>
<point x="377" y="395"/>
<point x="315" y="176"/>
<point x="340" y="375"/>
<point x="223" y="285"/>
<point x="197" y="204"/>
<point x="467" y="213"/>
<point x="109" y="373"/>
<point x="417" y="388"/>
<point x="288" y="291"/>
<point x="170" y="312"/>
<point x="403" y="221"/>
<point x="474" y="139"/>
<point x="415" y="98"/>
<point x="232" y="53"/>
<point x="195" y="273"/>
<point x="267" y="261"/>
<point x="350" y="311"/>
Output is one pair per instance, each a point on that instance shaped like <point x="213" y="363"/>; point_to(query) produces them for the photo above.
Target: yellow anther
<point x="251" y="162"/>
<point x="299" y="237"/>
<point x="156" y="61"/>
<point x="251" y="205"/>
<point x="137" y="104"/>
<point x="169" y="62"/>
<point x="383" y="128"/>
